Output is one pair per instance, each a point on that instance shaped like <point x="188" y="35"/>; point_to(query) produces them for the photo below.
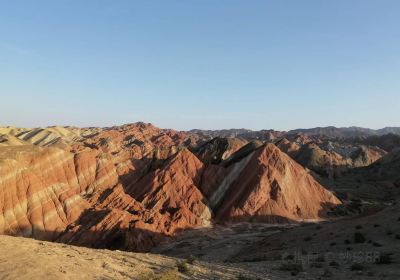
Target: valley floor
<point x="237" y="252"/>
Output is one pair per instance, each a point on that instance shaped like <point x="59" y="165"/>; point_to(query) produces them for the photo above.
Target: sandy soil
<point x="22" y="258"/>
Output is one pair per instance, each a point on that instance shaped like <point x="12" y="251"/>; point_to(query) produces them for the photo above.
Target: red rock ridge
<point x="273" y="187"/>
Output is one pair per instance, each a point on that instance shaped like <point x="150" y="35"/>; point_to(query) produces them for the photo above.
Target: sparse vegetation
<point x="191" y="259"/>
<point x="171" y="274"/>
<point x="327" y="273"/>
<point x="357" y="267"/>
<point x="334" y="264"/>
<point x="293" y="268"/>
<point x="307" y="238"/>
<point x="277" y="257"/>
<point x="317" y="265"/>
<point x="359" y="237"/>
<point x="359" y="227"/>
<point x="376" y="244"/>
<point x="289" y="258"/>
<point x="182" y="267"/>
<point x="384" y="258"/>
<point x="243" y="277"/>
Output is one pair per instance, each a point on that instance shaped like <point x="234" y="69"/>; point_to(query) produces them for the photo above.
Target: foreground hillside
<point x="22" y="258"/>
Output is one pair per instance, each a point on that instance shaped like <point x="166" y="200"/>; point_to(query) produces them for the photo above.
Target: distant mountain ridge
<point x="52" y="134"/>
<point x="346" y="132"/>
<point x="270" y="134"/>
<point x="263" y="135"/>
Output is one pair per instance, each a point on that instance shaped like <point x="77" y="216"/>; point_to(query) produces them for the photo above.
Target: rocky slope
<point x="42" y="189"/>
<point x="273" y="187"/>
<point x="379" y="181"/>
<point x="129" y="187"/>
<point x="329" y="158"/>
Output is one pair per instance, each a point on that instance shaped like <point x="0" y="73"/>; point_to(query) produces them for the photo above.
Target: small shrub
<point x="277" y="257"/>
<point x="308" y="238"/>
<point x="347" y="241"/>
<point x="333" y="244"/>
<point x="317" y="265"/>
<point x="327" y="273"/>
<point x="384" y="259"/>
<point x="357" y="267"/>
<point x="289" y="258"/>
<point x="389" y="232"/>
<point x="243" y="277"/>
<point x="182" y="267"/>
<point x="191" y="259"/>
<point x="256" y="259"/>
<point x="397" y="236"/>
<point x="293" y="268"/>
<point x="359" y="237"/>
<point x="376" y="244"/>
<point x="359" y="227"/>
<point x="376" y="225"/>
<point x="334" y="264"/>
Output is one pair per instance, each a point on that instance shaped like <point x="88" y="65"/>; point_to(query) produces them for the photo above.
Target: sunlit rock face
<point x="132" y="186"/>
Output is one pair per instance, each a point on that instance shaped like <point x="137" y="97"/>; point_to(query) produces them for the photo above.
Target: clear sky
<point x="200" y="63"/>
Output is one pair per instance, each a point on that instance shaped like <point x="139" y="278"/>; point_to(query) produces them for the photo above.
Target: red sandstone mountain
<point x="273" y="187"/>
<point x="130" y="186"/>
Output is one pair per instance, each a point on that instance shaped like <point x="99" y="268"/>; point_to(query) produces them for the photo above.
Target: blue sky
<point x="200" y="63"/>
